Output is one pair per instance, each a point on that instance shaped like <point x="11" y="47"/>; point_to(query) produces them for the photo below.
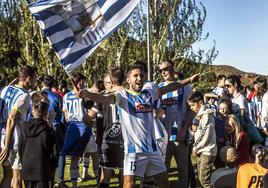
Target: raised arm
<point x="84" y="93"/>
<point x="176" y="85"/>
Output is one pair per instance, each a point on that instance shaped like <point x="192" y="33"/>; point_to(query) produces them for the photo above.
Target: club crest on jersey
<point x="143" y="108"/>
<point x="114" y="131"/>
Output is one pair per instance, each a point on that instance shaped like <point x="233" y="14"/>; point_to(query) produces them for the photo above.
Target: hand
<point x="194" y="128"/>
<point x="87" y="120"/>
<point x="194" y="77"/>
<point x="258" y="157"/>
<point x="4" y="154"/>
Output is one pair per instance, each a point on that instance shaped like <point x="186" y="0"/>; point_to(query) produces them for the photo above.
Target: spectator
<point x="220" y="90"/>
<point x="205" y="138"/>
<point x="39" y="157"/>
<point x="174" y="103"/>
<point x="226" y="177"/>
<point x="237" y="138"/>
<point x="251" y="174"/>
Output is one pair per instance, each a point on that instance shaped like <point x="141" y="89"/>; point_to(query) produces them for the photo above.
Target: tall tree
<point x="175" y="26"/>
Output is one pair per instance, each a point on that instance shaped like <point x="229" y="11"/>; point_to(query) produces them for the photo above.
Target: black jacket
<point x="38" y="151"/>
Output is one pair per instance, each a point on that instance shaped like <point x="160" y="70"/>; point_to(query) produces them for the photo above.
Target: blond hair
<point x="233" y="121"/>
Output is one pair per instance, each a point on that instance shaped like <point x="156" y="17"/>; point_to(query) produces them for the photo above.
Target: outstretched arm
<point x="176" y="85"/>
<point x="84" y="93"/>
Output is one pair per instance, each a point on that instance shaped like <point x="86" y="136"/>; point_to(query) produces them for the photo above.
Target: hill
<point x="246" y="77"/>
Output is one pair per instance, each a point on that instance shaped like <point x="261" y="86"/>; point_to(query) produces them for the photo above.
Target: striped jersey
<point x="135" y="111"/>
<point x="72" y="105"/>
<point x="174" y="104"/>
<point x="15" y="97"/>
<point x="159" y="129"/>
<point x="55" y="106"/>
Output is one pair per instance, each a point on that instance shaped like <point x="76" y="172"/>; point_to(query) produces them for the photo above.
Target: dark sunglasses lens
<point x="164" y="69"/>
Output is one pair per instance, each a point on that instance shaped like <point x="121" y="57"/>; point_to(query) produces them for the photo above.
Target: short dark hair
<point x="99" y="85"/>
<point x="40" y="103"/>
<point x="48" y="81"/>
<point x="144" y="66"/>
<point x="196" y="96"/>
<point x="116" y="75"/>
<point x="234" y="79"/>
<point x="63" y="83"/>
<point x="220" y="77"/>
<point x="132" y="67"/>
<point x="77" y="77"/>
<point x="25" y="71"/>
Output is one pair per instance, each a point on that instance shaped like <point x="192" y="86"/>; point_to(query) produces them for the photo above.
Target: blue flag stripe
<point x="86" y="40"/>
<point x="66" y="43"/>
<point x="71" y="48"/>
<point x="97" y="32"/>
<point x="115" y="8"/>
<point x="56" y="28"/>
<point x="43" y="15"/>
<point x="42" y="2"/>
<point x="72" y="57"/>
<point x="101" y="3"/>
<point x="75" y="56"/>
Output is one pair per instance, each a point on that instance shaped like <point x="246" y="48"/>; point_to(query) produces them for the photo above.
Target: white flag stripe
<point x="75" y="28"/>
<point x="51" y="21"/>
<point x="81" y="59"/>
<point x="57" y="37"/>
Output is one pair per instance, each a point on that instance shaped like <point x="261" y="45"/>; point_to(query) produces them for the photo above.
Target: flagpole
<point x="148" y="42"/>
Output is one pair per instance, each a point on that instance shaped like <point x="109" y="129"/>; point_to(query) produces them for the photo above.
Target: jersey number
<point x="73" y="107"/>
<point x="132" y="165"/>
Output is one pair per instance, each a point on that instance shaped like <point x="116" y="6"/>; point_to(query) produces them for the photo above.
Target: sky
<point x="240" y="29"/>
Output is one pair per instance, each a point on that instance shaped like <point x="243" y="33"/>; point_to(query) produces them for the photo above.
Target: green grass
<point x="173" y="177"/>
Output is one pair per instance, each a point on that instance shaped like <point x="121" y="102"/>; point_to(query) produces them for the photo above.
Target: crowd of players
<point x="128" y="123"/>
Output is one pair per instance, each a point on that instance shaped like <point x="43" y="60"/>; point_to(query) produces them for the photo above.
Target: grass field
<point x="173" y="177"/>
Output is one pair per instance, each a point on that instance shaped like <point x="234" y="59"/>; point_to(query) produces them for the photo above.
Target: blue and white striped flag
<point x="75" y="28"/>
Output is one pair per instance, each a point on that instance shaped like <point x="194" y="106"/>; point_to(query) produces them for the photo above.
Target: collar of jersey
<point x="20" y="87"/>
<point x="133" y="92"/>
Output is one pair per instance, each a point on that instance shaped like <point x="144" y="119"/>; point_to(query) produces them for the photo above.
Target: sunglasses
<point x="228" y="85"/>
<point x="164" y="69"/>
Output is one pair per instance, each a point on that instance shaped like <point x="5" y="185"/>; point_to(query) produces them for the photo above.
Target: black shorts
<point x="112" y="158"/>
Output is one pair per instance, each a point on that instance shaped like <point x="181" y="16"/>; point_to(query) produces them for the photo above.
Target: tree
<point x="173" y="32"/>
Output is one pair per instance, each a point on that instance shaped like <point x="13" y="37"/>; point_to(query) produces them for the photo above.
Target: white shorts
<point x="91" y="145"/>
<point x="13" y="160"/>
<point x="138" y="164"/>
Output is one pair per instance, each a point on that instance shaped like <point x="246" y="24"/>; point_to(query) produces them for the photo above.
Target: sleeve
<point x="264" y="111"/>
<point x="22" y="103"/>
<point x="64" y="107"/>
<point x="187" y="91"/>
<point x="153" y="89"/>
<point x="205" y="134"/>
<point x="243" y="103"/>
